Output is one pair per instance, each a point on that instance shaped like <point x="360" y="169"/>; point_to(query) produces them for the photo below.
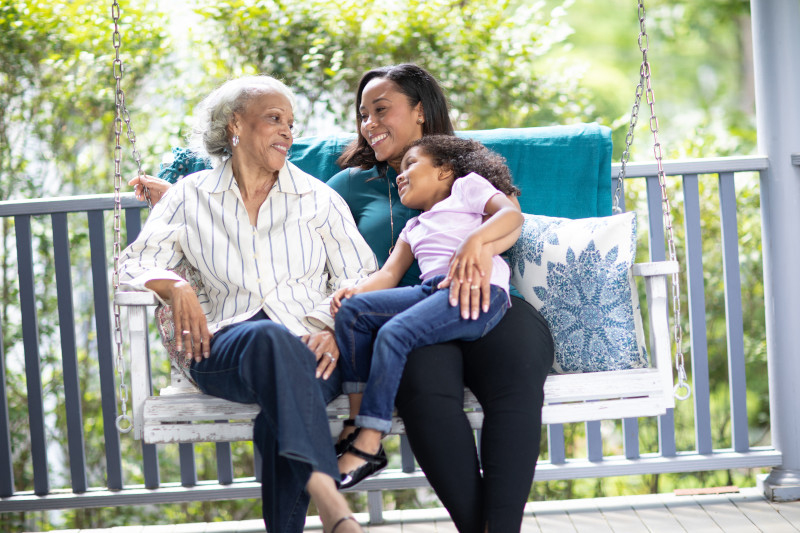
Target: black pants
<point x="506" y="371"/>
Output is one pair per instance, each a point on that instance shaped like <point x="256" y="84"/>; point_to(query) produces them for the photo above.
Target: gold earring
<point x="419" y="120"/>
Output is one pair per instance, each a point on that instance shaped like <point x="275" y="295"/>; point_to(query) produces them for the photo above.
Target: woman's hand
<point x="339" y="295"/>
<point x="156" y="187"/>
<point x="469" y="277"/>
<point x="191" y="328"/>
<point x="323" y="344"/>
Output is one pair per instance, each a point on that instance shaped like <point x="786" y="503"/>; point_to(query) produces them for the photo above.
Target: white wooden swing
<point x="180" y="413"/>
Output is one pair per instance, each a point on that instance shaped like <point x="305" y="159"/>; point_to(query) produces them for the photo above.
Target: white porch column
<point x="776" y="49"/>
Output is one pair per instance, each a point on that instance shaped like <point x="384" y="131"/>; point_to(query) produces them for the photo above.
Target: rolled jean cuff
<point x="353" y="387"/>
<point x="370" y="422"/>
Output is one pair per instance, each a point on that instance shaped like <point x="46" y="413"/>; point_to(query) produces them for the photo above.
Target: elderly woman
<point x="270" y="242"/>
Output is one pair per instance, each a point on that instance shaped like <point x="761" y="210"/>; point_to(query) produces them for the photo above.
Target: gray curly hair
<point x="214" y="113"/>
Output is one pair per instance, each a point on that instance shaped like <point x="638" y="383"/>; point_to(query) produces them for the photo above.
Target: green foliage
<point x="490" y="57"/>
<point x="57" y="92"/>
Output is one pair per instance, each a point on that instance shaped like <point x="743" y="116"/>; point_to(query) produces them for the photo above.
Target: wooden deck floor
<point x="744" y="512"/>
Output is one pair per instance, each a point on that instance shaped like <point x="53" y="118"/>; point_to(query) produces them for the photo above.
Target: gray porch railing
<point x="54" y="486"/>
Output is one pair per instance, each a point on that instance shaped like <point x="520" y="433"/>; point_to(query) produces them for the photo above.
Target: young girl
<point x="456" y="183"/>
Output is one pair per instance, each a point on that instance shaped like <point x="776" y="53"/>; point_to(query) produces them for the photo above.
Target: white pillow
<point x="577" y="273"/>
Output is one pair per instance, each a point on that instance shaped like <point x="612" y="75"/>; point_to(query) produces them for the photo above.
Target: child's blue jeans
<point x="377" y="330"/>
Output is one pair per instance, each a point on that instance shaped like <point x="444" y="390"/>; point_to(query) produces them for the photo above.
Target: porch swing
<point x="181" y="414"/>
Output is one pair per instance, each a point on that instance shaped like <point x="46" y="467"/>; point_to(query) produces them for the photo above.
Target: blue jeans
<point x="377" y="330"/>
<point x="260" y="361"/>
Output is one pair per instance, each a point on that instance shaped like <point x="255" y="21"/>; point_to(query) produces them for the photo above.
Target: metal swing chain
<point x="682" y="389"/>
<point x="124" y="422"/>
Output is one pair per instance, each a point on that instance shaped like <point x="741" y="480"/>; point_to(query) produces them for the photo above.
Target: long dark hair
<point x="463" y="156"/>
<point x="419" y="86"/>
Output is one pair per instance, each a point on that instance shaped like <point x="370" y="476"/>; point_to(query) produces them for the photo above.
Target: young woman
<point x="505" y="369"/>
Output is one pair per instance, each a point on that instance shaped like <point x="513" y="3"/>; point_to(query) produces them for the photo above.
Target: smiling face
<point x="420" y="184"/>
<point x="265" y="131"/>
<point x="388" y="121"/>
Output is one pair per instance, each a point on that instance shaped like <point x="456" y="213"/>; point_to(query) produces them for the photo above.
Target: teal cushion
<point x="317" y="155"/>
<point x="563" y="171"/>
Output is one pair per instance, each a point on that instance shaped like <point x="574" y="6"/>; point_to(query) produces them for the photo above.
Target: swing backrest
<point x="563" y="171"/>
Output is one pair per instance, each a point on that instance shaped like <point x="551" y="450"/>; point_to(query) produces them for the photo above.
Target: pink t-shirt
<point x="434" y="235"/>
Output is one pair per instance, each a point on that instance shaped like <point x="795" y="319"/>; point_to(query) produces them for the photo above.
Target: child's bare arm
<point x="387" y="277"/>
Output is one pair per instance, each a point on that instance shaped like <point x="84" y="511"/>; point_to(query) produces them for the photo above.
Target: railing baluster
<point x="257" y="463"/>
<point x="133" y="224"/>
<point x="733" y="307"/>
<point x="188" y="469"/>
<point x="69" y="355"/>
<point x="6" y="465"/>
<point x="152" y="478"/>
<point x="594" y="442"/>
<point x="630" y="437"/>
<point x="406" y="455"/>
<point x="224" y="463"/>
<point x="697" y="314"/>
<point x="555" y="444"/>
<point x="666" y="422"/>
<point x="105" y="349"/>
<point x="30" y="340"/>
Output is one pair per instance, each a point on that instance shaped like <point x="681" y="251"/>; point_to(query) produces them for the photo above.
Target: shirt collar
<point x="291" y="179"/>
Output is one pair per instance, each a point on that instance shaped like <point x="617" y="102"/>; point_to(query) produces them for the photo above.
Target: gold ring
<point x="474" y="287"/>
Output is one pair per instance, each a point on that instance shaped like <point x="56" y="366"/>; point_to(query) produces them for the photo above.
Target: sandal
<point x="374" y="464"/>
<point x="341" y="521"/>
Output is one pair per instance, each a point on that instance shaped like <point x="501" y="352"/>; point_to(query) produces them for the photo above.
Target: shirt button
<point x="258" y="280"/>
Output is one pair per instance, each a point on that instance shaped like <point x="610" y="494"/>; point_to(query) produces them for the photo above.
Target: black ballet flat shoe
<point x="341" y="446"/>
<point x="374" y="464"/>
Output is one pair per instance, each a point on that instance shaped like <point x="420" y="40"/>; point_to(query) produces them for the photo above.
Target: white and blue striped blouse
<point x="305" y="246"/>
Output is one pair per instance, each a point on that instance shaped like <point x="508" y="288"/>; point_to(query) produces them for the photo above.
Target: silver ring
<point x="330" y="356"/>
<point x="185" y="332"/>
<point x="474" y="287"/>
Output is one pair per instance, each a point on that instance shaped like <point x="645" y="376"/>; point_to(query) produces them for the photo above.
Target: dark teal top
<point x="369" y="202"/>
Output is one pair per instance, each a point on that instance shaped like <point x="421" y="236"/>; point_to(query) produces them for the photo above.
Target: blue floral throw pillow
<point x="577" y="273"/>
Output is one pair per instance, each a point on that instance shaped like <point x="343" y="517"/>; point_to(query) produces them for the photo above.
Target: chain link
<point x="682" y="389"/>
<point x="124" y="422"/>
<point x="637" y="100"/>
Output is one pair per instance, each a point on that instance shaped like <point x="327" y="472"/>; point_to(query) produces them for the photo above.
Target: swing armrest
<point x="658" y="300"/>
<point x="136" y="303"/>
<point x="659" y="268"/>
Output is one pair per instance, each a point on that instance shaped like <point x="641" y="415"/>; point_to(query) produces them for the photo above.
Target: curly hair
<point x="463" y="156"/>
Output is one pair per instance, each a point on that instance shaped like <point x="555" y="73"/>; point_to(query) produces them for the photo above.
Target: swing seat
<point x="180" y="413"/>
<point x="563" y="171"/>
